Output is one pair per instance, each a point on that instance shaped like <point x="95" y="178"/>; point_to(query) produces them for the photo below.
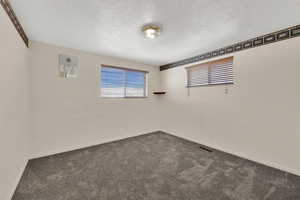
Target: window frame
<point x="125" y="69"/>
<point x="208" y="65"/>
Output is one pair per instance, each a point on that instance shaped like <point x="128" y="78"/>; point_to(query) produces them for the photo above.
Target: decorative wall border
<point x="252" y="43"/>
<point x="10" y="12"/>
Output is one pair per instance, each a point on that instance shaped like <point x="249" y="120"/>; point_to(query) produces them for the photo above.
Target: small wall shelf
<point x="159" y="93"/>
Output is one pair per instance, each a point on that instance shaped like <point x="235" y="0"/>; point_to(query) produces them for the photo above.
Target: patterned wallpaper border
<point x="252" y="43"/>
<point x="11" y="14"/>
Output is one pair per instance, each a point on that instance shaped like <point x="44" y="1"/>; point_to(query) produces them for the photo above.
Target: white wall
<point x="259" y="117"/>
<point x="14" y="107"/>
<point x="69" y="114"/>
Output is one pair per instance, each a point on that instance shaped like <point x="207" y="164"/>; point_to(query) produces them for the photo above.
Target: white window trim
<point x="146" y="89"/>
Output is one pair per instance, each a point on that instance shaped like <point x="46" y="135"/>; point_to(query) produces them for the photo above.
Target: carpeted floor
<point x="155" y="166"/>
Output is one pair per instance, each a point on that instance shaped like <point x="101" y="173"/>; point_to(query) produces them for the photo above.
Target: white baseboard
<point x="245" y="156"/>
<point x="239" y="154"/>
<point x="83" y="146"/>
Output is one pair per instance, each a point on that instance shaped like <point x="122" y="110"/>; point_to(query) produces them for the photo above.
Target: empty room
<point x="149" y="100"/>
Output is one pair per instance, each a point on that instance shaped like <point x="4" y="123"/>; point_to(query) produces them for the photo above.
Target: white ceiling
<point x="190" y="27"/>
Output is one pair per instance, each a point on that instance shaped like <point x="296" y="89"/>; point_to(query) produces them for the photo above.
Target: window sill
<point x="123" y="97"/>
<point x="208" y="85"/>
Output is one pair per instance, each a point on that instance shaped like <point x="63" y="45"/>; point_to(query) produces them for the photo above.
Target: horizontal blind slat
<point x="118" y="82"/>
<point x="211" y="73"/>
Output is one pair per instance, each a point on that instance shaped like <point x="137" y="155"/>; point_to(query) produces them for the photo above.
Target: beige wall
<point x="14" y="107"/>
<point x="69" y="114"/>
<point x="259" y="117"/>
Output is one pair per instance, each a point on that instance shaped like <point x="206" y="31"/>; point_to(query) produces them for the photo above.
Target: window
<point x="211" y="73"/>
<point x="120" y="82"/>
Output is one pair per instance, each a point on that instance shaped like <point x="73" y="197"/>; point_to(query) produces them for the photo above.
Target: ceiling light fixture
<point x="151" y="31"/>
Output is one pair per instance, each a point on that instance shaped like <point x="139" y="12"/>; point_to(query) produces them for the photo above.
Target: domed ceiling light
<point x="151" y="31"/>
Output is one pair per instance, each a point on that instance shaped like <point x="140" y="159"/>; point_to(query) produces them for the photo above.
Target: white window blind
<point x="211" y="73"/>
<point x="121" y="82"/>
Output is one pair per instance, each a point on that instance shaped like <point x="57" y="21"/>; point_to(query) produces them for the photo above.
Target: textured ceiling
<point x="190" y="27"/>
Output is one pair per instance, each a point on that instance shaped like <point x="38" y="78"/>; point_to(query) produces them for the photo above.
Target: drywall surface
<point x="69" y="114"/>
<point x="257" y="119"/>
<point x="14" y="107"/>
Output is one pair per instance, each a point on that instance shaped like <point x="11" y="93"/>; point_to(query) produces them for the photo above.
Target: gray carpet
<point x="155" y="166"/>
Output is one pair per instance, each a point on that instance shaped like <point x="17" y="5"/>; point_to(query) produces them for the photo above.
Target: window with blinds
<point x="119" y="82"/>
<point x="211" y="73"/>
